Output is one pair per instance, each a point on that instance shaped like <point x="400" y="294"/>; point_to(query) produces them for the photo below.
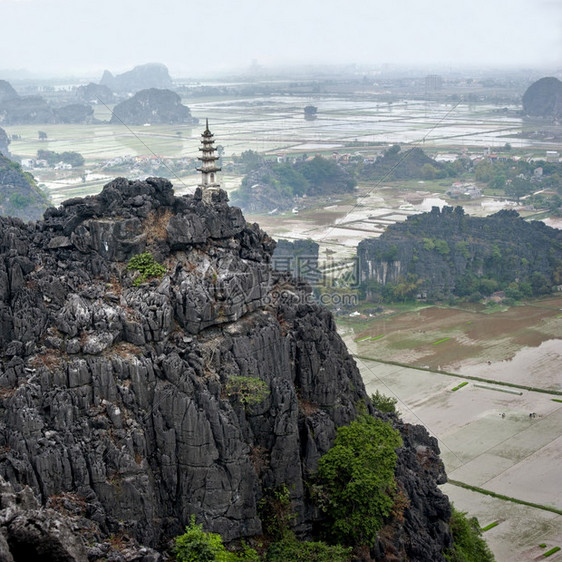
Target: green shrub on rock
<point x="195" y="545"/>
<point x="147" y="266"/>
<point x="355" y="484"/>
<point x="468" y="544"/>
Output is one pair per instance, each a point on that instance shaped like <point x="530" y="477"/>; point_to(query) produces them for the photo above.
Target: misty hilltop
<point x="142" y="77"/>
<point x="543" y="98"/>
<point x="35" y="110"/>
<point x="153" y="106"/>
<point x="95" y="93"/>
<point x="7" y="91"/>
<point x="446" y="253"/>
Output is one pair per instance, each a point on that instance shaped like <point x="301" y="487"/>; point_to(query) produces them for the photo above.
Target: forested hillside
<point x="276" y="185"/>
<point x="447" y="253"/>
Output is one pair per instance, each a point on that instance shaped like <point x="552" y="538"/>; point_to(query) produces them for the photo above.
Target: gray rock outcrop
<point x="121" y="403"/>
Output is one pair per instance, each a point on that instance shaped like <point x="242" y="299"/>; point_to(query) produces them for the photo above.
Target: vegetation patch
<point x="384" y="403"/>
<point x="147" y="266"/>
<point x="75" y="159"/>
<point x="275" y="512"/>
<point x="296" y="551"/>
<point x="440" y="341"/>
<point x="499" y="264"/>
<point x="490" y="526"/>
<point x="502" y="497"/>
<point x="248" y="390"/>
<point x="196" y="545"/>
<point x="468" y="544"/>
<point x="363" y="339"/>
<point x="355" y="485"/>
<point x="459" y="386"/>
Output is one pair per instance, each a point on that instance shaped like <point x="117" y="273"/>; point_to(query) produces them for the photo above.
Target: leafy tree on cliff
<point x="355" y="484"/>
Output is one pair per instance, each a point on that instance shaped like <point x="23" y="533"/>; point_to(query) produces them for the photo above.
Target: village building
<point x="462" y="190"/>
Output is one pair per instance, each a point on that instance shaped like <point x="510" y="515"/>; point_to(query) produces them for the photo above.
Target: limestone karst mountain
<point x="119" y="417"/>
<point x="543" y="98"/>
<point x="141" y="77"/>
<point x="447" y="253"/>
<point x="152" y="106"/>
<point x="31" y="110"/>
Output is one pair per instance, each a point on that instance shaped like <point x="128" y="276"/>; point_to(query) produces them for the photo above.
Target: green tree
<point x="75" y="159"/>
<point x="195" y="545"/>
<point x="291" y="550"/>
<point x="442" y="247"/>
<point x="518" y="187"/>
<point x="484" y="171"/>
<point x="355" y="480"/>
<point x="428" y="172"/>
<point x="249" y="390"/>
<point x="250" y="159"/>
<point x="324" y="174"/>
<point x="497" y="182"/>
<point x="276" y="513"/>
<point x="468" y="544"/>
<point x="147" y="266"/>
<point x="384" y="403"/>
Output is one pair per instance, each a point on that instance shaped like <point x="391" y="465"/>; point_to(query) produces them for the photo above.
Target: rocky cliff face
<point x="444" y="253"/>
<point x="122" y="404"/>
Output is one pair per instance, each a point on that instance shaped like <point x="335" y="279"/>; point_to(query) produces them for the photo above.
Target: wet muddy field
<point x="504" y="439"/>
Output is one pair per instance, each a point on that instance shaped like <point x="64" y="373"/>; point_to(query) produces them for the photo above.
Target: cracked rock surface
<point x="117" y="419"/>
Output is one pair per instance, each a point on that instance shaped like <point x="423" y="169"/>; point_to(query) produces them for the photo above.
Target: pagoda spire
<point x="209" y="168"/>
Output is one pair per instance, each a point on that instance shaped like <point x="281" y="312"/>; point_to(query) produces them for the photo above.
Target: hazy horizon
<point x="80" y="37"/>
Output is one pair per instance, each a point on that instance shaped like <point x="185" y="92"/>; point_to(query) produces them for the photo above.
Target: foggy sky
<point x="205" y="36"/>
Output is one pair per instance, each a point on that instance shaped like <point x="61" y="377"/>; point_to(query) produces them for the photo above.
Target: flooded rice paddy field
<point x="276" y="125"/>
<point x="500" y="438"/>
<point x="485" y="342"/>
<point x="281" y="125"/>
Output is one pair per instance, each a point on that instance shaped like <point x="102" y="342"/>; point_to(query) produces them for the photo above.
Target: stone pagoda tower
<point x="208" y="169"/>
